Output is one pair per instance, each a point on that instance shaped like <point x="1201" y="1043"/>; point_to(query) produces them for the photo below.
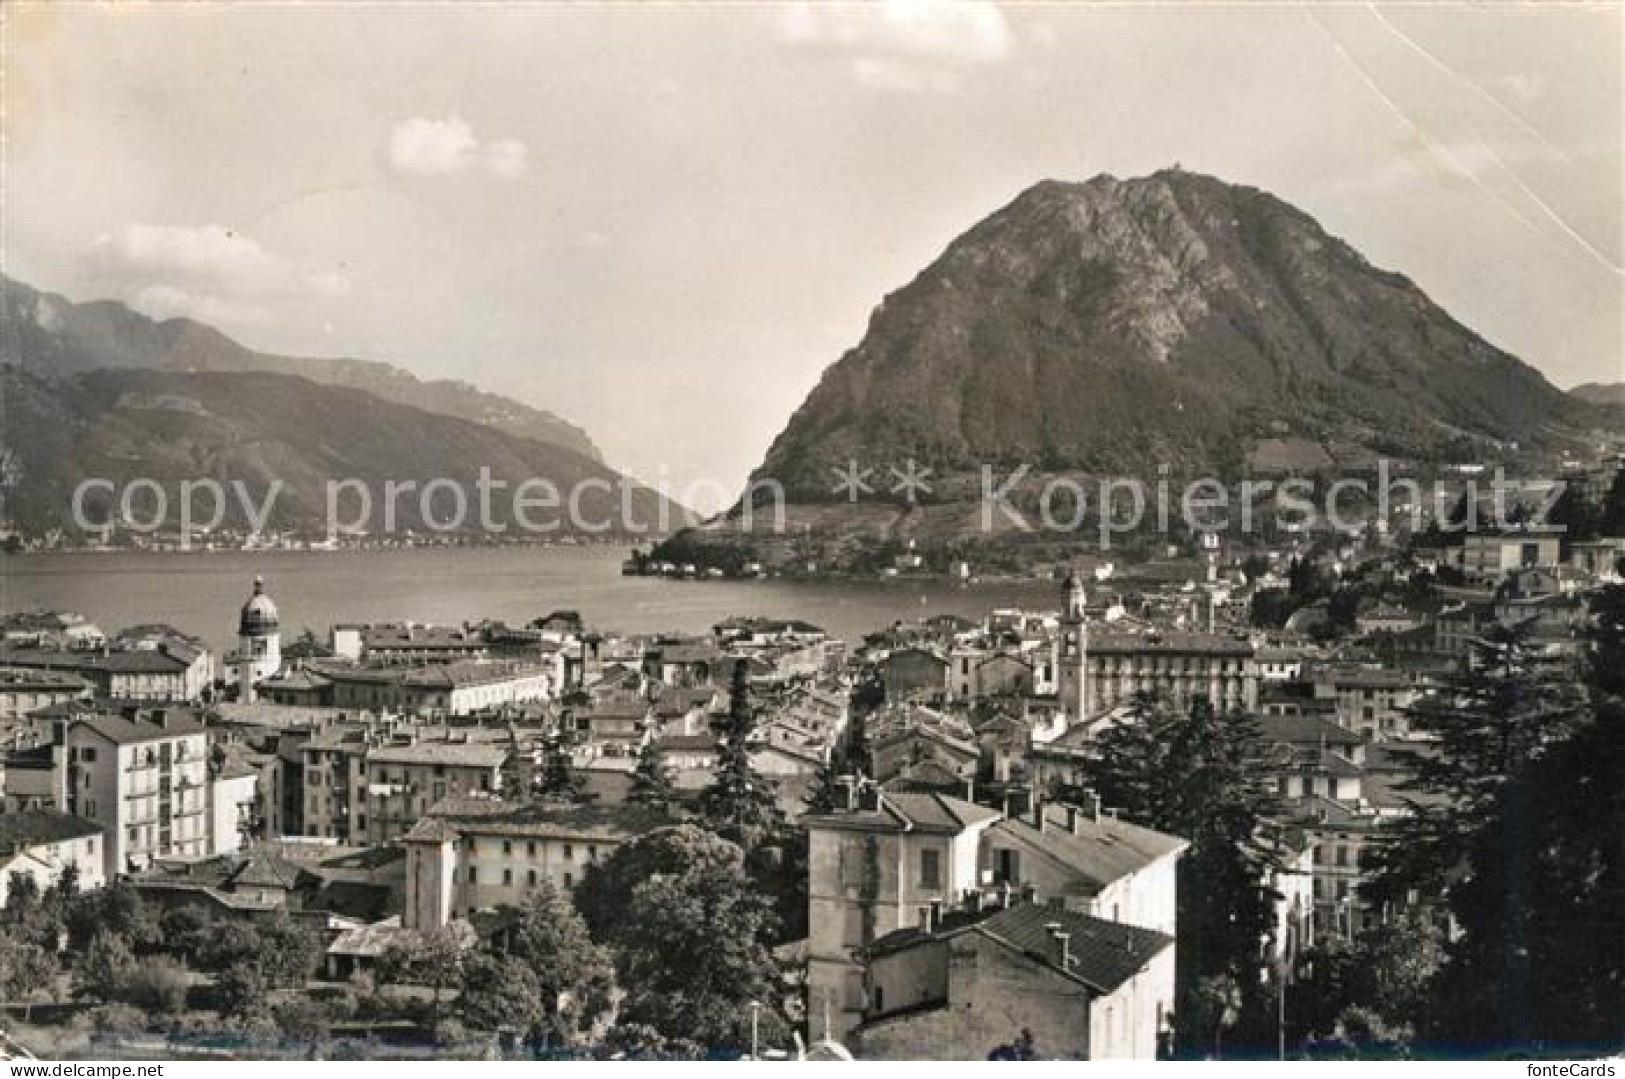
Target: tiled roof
<point x="911" y="811"/>
<point x="1305" y="730"/>
<point x="1103" y="955"/>
<point x="33" y="827"/>
<point x="264" y="869"/>
<point x="1104" y="849"/>
<point x="463" y="754"/>
<point x="122" y="731"/>
<point x="490" y="816"/>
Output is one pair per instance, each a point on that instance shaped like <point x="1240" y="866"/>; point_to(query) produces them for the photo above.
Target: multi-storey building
<point x="873" y="865"/>
<point x="406" y="781"/>
<point x="477" y="853"/>
<point x="1372" y="701"/>
<point x="1097" y="672"/>
<point x="163" y="670"/>
<point x="23" y="691"/>
<point x="144" y="778"/>
<point x="41" y="844"/>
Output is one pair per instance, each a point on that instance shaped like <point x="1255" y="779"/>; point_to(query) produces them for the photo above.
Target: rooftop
<point x="1103" y="849"/>
<point x="33" y="827"/>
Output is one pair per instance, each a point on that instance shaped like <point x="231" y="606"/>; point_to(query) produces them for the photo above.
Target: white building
<point x="259" y="647"/>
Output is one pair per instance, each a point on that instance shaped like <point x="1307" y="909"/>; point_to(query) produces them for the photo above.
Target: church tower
<point x="1072" y="663"/>
<point x="259" y="642"/>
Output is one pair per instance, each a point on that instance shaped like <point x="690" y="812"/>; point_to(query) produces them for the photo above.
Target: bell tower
<point x="1072" y="663"/>
<point x="259" y="642"/>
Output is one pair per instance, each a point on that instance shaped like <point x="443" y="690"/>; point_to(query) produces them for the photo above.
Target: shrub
<point x="158" y="985"/>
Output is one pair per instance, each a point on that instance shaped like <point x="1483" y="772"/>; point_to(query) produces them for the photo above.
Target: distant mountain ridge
<point x="1112" y="326"/>
<point x="52" y="336"/>
<point x="1601" y="393"/>
<point x="258" y="428"/>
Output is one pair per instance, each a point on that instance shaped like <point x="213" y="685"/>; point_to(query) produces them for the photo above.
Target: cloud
<point x="207" y="272"/>
<point x="424" y="147"/>
<point x="911" y="45"/>
<point x="167" y="301"/>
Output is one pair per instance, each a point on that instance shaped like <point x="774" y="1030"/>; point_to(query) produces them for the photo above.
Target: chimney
<point x="846" y="792"/>
<point x="1038" y="813"/>
<point x="1072" y="819"/>
<point x="1064" y="939"/>
<point x="970" y="789"/>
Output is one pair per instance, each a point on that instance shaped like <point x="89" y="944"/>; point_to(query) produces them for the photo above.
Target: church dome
<point x="259" y="613"/>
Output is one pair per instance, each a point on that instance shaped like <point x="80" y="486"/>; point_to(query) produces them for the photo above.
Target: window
<point x="88" y="753"/>
<point x="569" y="852"/>
<point x="569" y="881"/>
<point x="473" y="875"/>
<point x="530" y="848"/>
<point x="930" y="869"/>
<point x="531" y="876"/>
<point x="507" y="876"/>
<point x="507" y="846"/>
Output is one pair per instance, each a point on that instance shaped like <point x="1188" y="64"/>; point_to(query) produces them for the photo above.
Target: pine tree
<point x="651" y="780"/>
<point x="559" y="782"/>
<point x="740" y="804"/>
<point x="1515" y="817"/>
<point x="1193" y="773"/>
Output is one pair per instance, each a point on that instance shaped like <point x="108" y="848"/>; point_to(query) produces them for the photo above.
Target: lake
<point x="201" y="592"/>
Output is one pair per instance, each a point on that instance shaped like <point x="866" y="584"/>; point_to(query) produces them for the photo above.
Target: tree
<point x="1387" y="971"/>
<point x="157" y="984"/>
<point x="433" y="958"/>
<point x="576" y="976"/>
<point x="740" y="803"/>
<point x="1193" y="773"/>
<point x="558" y="782"/>
<point x="250" y="959"/>
<point x="117" y="908"/>
<point x="651" y="780"/>
<point x="502" y="995"/>
<point x="691" y="937"/>
<point x="26" y="970"/>
<point x="1515" y="817"/>
<point x="1212" y="1007"/>
<point x="100" y="970"/>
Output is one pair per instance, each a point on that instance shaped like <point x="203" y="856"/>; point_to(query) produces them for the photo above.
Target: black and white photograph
<point x="840" y="531"/>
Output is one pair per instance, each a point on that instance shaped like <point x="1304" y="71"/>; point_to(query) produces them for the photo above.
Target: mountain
<point x="1112" y="326"/>
<point x="1601" y="393"/>
<point x="258" y="427"/>
<point x="53" y="337"/>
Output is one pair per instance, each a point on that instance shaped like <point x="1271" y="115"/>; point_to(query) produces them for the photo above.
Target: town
<point x="1223" y="808"/>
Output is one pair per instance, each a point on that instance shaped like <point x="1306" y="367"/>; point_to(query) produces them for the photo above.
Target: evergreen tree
<point x="1515" y="820"/>
<point x="558" y="781"/>
<point x="740" y="804"/>
<point x="1611" y="515"/>
<point x="1192" y="773"/>
<point x="651" y="780"/>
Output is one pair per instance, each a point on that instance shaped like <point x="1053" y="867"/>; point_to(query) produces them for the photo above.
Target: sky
<point x="663" y="223"/>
